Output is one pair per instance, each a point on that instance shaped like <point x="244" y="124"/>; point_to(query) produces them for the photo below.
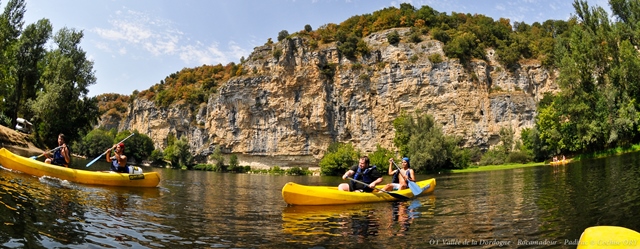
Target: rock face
<point x="286" y="110"/>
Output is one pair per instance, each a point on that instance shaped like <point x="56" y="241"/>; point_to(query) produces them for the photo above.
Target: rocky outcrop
<point x="287" y="110"/>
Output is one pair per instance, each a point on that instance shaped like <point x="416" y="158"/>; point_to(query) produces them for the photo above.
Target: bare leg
<point x="388" y="187"/>
<point x="343" y="187"/>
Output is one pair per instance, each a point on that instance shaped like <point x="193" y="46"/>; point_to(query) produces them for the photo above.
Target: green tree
<point x="63" y="106"/>
<point x="11" y="21"/>
<point x="597" y="107"/>
<point x="138" y="147"/>
<point x="219" y="158"/>
<point x="462" y="46"/>
<point x="349" y="47"/>
<point x="403" y="125"/>
<point x="393" y="37"/>
<point x="233" y="164"/>
<point x="531" y="144"/>
<point x="308" y="28"/>
<point x="94" y="143"/>
<point x="423" y="141"/>
<point x="338" y="159"/>
<point x="380" y="157"/>
<point x="157" y="157"/>
<point x="277" y="53"/>
<point x="178" y="154"/>
<point x="507" y="139"/>
<point x="282" y="34"/>
<point x="31" y="53"/>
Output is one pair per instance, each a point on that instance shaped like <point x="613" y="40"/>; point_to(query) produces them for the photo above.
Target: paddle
<point x="394" y="195"/>
<point x="94" y="160"/>
<point x="54" y="149"/>
<point x="415" y="189"/>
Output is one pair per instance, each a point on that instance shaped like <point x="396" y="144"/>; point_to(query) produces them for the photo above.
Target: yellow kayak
<point x="38" y="168"/>
<point x="297" y="194"/>
<point x="609" y="237"/>
<point x="561" y="162"/>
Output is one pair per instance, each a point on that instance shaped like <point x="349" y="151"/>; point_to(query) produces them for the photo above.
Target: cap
<point x="405" y="159"/>
<point x="121" y="145"/>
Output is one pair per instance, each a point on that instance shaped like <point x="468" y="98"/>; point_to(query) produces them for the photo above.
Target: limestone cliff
<point x="286" y="110"/>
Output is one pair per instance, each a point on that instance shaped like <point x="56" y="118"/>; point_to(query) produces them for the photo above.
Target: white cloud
<point x="237" y="51"/>
<point x="212" y="54"/>
<point x="137" y="29"/>
<point x="102" y="46"/>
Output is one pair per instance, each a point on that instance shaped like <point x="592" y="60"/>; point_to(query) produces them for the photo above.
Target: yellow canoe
<point x="297" y="194"/>
<point x="37" y="168"/>
<point x="561" y="162"/>
<point x="609" y="237"/>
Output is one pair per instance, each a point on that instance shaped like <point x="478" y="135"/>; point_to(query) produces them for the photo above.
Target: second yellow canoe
<point x="297" y="194"/>
<point x="37" y="168"/>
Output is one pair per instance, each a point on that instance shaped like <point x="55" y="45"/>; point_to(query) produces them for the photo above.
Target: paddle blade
<point x="415" y="189"/>
<point x="34" y="157"/>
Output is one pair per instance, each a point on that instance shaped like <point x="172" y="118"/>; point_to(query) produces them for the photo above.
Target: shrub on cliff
<point x="380" y="157"/>
<point x="178" y="154"/>
<point x="429" y="149"/>
<point x="282" y="35"/>
<point x="338" y="159"/>
<point x="393" y="38"/>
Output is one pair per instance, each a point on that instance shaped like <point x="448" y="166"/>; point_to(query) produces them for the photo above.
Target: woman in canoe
<point x="394" y="173"/>
<point x="406" y="172"/>
<point x="61" y="156"/>
<point x="119" y="160"/>
<point x="364" y="173"/>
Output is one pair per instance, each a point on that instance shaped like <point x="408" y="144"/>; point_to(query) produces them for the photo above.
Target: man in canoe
<point x="119" y="160"/>
<point x="61" y="156"/>
<point x="362" y="172"/>
<point x="405" y="172"/>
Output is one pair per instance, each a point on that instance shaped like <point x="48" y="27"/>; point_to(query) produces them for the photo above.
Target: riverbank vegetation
<point x="44" y="78"/>
<point x="420" y="138"/>
<point x="595" y="112"/>
<point x="596" y="109"/>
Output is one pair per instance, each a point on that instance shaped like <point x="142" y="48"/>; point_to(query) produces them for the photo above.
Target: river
<point x="535" y="207"/>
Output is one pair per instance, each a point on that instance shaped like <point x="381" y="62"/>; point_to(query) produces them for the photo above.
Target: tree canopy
<point x="597" y="107"/>
<point x="48" y="87"/>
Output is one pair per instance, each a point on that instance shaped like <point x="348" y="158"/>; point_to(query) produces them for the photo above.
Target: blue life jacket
<point x="364" y="176"/>
<point x="115" y="166"/>
<point x="58" y="158"/>
<point x="395" y="178"/>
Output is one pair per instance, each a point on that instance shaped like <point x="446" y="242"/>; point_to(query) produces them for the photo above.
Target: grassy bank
<point x="495" y="167"/>
<point x="610" y="152"/>
<point x="600" y="154"/>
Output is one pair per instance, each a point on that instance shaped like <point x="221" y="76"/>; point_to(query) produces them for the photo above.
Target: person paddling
<point x="363" y="172"/>
<point x="61" y="156"/>
<point x="406" y="172"/>
<point x="119" y="160"/>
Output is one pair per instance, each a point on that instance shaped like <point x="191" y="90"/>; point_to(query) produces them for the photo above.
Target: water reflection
<point x="46" y="212"/>
<point x="403" y="215"/>
<point x="195" y="209"/>
<point x="358" y="221"/>
<point x="36" y="214"/>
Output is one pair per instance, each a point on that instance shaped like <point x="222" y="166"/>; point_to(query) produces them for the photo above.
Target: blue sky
<point x="135" y="44"/>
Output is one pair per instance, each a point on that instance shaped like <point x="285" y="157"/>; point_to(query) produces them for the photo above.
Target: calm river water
<point x="536" y="207"/>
